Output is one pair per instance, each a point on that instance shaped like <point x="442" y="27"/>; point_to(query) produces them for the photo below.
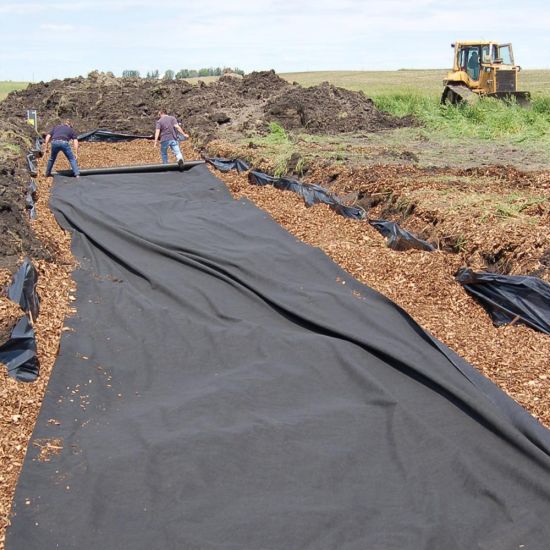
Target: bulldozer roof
<point x="474" y="43"/>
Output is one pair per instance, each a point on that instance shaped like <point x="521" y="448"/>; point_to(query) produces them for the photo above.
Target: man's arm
<point x="46" y="143"/>
<point x="178" y="128"/>
<point x="157" y="134"/>
<point x="75" y="146"/>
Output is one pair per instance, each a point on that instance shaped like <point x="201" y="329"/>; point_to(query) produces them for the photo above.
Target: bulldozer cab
<point x="482" y="69"/>
<point x="472" y="59"/>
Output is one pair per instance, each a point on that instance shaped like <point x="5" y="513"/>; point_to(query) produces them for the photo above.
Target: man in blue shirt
<point x="166" y="131"/>
<point x="61" y="136"/>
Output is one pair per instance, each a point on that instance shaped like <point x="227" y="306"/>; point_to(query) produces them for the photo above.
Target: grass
<point x="417" y="92"/>
<point x="7" y="86"/>
<point x="487" y="119"/>
<point x="514" y="204"/>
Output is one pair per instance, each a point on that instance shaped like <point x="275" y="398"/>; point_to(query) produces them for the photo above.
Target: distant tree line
<point x="182" y="73"/>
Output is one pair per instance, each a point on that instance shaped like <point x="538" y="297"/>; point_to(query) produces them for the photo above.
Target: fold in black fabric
<point x="226" y="165"/>
<point x="226" y="386"/>
<point x="508" y="298"/>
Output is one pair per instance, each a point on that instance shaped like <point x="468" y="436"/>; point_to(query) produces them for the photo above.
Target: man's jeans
<point x="174" y="145"/>
<point x="58" y="146"/>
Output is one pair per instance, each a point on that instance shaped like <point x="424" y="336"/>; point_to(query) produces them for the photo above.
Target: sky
<point x="42" y="40"/>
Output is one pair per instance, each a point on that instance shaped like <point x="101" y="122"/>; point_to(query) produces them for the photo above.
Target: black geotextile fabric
<point x="227" y="386"/>
<point x="508" y="298"/>
<point x="109" y="137"/>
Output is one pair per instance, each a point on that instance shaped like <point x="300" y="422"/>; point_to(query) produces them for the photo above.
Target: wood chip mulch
<point x="514" y="357"/>
<point x="20" y="402"/>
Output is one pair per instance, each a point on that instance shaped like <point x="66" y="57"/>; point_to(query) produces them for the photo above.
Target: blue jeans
<point x="65" y="147"/>
<point x="174" y="145"/>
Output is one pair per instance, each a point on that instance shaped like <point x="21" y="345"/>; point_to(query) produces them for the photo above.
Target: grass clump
<point x="277" y="134"/>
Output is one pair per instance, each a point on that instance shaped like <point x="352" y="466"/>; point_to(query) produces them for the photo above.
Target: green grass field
<point x="425" y="82"/>
<point x="7" y="86"/>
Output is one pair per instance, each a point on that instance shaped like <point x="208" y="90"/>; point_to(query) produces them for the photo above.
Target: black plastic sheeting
<point x="108" y="136"/>
<point x="31" y="165"/>
<point x="311" y="193"/>
<point x="19" y="352"/>
<point x="398" y="238"/>
<point x="37" y="149"/>
<point x="22" y="290"/>
<point x="508" y="298"/>
<point x="225" y="165"/>
<point x="222" y="388"/>
<point x="30" y="199"/>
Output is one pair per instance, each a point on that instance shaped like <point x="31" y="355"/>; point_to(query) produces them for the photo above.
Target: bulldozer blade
<point x="523" y="99"/>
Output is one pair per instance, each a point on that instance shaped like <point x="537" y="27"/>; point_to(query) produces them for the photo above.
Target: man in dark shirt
<point x="61" y="136"/>
<point x="166" y="131"/>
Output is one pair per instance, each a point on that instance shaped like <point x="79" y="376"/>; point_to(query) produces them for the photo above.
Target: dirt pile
<point x="16" y="236"/>
<point x="230" y="104"/>
<point x="327" y="109"/>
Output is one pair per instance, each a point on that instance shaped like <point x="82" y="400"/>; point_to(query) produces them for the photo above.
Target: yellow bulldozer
<point x="483" y="69"/>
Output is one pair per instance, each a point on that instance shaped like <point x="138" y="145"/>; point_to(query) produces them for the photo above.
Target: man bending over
<point x="61" y="136"/>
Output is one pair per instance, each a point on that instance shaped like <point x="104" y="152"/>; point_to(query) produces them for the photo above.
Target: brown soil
<point x="229" y="104"/>
<point x="17" y="237"/>
<point x="326" y="109"/>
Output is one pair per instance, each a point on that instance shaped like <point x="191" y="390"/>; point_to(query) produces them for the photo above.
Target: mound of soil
<point x="17" y="238"/>
<point x="207" y="111"/>
<point x="327" y="109"/>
